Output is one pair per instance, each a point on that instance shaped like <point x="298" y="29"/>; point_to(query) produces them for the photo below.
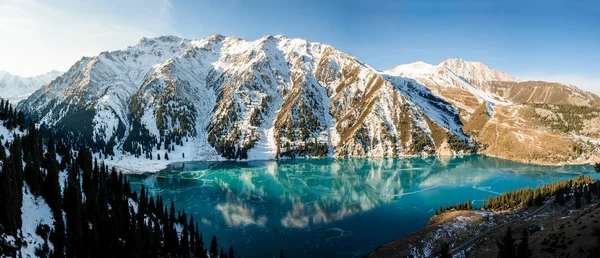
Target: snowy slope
<point x="418" y="67"/>
<point x="222" y="98"/>
<point x="35" y="211"/>
<point x="16" y="88"/>
<point x="456" y="73"/>
<point x="472" y="71"/>
<point x="227" y="98"/>
<point x="475" y="71"/>
<point x="497" y="109"/>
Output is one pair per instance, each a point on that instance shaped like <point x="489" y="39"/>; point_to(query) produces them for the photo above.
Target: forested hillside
<point x="58" y="202"/>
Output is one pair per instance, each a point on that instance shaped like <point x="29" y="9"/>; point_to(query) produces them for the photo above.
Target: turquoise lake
<point x="333" y="207"/>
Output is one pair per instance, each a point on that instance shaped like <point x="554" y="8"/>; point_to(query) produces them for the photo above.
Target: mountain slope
<point x="276" y="97"/>
<point x="539" y="122"/>
<point x="540" y="92"/>
<point x="224" y="97"/>
<point x="16" y="88"/>
<point x="56" y="204"/>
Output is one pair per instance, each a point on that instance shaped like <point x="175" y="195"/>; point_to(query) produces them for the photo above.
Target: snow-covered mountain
<point x="532" y="121"/>
<point x="456" y="73"/>
<point x="16" y="88"/>
<point x="225" y="97"/>
<point x="472" y="71"/>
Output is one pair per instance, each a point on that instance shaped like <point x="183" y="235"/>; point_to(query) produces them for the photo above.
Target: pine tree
<point x="185" y="244"/>
<point x="21" y="121"/>
<point x="559" y="197"/>
<point x="51" y="192"/>
<point x="73" y="209"/>
<point x="523" y="250"/>
<point x="506" y="245"/>
<point x="58" y="238"/>
<point x="200" y="251"/>
<point x="577" y="199"/>
<point x="445" y="251"/>
<point x="214" y="247"/>
<point x="231" y="253"/>
<point x="10" y="198"/>
<point x="587" y="194"/>
<point x="2" y="152"/>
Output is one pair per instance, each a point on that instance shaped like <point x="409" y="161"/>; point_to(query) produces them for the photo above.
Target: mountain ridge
<point x="227" y="98"/>
<point x="16" y="88"/>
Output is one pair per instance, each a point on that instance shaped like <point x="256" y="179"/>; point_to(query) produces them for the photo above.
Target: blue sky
<point x="549" y="40"/>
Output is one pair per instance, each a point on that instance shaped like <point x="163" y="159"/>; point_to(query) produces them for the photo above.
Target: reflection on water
<point x="333" y="207"/>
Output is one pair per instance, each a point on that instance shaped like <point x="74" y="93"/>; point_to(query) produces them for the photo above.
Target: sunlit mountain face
<point x="332" y="206"/>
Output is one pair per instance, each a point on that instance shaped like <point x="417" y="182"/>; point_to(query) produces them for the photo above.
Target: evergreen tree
<point x="588" y="194"/>
<point x="523" y="250"/>
<point x="16" y="155"/>
<point x="21" y="121"/>
<point x="2" y="152"/>
<point x="185" y="244"/>
<point x="445" y="251"/>
<point x="506" y="245"/>
<point x="58" y="238"/>
<point x="559" y="197"/>
<point x="231" y="253"/>
<point x="214" y="247"/>
<point x="73" y="209"/>
<point x="577" y="199"/>
<point x="200" y="251"/>
<point x="10" y="198"/>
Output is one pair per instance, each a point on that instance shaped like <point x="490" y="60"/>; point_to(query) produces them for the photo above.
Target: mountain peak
<point x="418" y="67"/>
<point x="57" y="72"/>
<point x="54" y="73"/>
<point x="15" y="88"/>
<point x="216" y="36"/>
<point x="145" y="41"/>
<point x="459" y="62"/>
<point x="474" y="70"/>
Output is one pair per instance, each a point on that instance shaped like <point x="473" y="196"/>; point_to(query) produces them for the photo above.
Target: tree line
<point x="582" y="186"/>
<point x="95" y="211"/>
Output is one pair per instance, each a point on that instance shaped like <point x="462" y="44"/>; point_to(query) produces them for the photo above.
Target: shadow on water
<point x="333" y="207"/>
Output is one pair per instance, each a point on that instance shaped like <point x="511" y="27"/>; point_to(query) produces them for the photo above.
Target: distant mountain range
<point x="228" y="98"/>
<point x="16" y="88"/>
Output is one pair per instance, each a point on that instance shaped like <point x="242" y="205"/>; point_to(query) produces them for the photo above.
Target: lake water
<point x="333" y="207"/>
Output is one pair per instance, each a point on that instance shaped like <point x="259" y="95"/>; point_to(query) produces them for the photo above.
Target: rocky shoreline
<point x="554" y="229"/>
